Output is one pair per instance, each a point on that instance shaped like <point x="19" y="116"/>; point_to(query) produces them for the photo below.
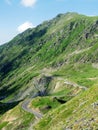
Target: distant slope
<point x="53" y="43"/>
<point x="57" y="59"/>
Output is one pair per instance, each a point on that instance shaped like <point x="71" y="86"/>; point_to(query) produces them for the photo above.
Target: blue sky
<point x="18" y="15"/>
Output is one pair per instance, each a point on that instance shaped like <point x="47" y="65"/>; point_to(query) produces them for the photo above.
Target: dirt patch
<point x="9" y="117"/>
<point x="94" y="78"/>
<point x="95" y="65"/>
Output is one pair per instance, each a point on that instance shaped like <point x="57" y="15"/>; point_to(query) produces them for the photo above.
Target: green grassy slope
<point x="77" y="114"/>
<point x="16" y="119"/>
<point x="66" y="39"/>
<point x="57" y="59"/>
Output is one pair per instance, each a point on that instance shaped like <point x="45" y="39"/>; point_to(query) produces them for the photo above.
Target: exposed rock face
<point x="42" y="84"/>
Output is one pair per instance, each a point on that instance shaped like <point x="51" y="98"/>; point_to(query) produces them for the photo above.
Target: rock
<point x="95" y="104"/>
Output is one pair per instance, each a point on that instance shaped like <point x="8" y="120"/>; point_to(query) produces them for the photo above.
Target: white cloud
<point x="25" y="26"/>
<point x="28" y="3"/>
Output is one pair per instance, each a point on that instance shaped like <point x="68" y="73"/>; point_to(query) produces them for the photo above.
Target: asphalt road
<point x="74" y="84"/>
<point x="26" y="108"/>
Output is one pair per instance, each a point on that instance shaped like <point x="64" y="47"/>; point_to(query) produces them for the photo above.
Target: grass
<point x="51" y="45"/>
<point x="79" y="73"/>
<point x="17" y="119"/>
<point x="47" y="45"/>
<point x="74" y="113"/>
<point x="3" y="125"/>
<point x="44" y="104"/>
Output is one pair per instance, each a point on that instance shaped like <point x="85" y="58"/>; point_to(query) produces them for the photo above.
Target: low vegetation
<point x="55" y="66"/>
<point x="16" y="119"/>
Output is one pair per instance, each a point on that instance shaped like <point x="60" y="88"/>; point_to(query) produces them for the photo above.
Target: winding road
<point x="25" y="105"/>
<point x="75" y="85"/>
<point x="38" y="115"/>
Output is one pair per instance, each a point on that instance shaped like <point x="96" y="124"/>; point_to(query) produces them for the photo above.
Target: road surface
<point x="25" y="105"/>
<point x="75" y="85"/>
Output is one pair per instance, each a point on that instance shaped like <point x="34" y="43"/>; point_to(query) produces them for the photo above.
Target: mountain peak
<point x="57" y="61"/>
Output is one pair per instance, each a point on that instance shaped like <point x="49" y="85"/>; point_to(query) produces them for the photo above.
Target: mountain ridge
<point x="50" y="61"/>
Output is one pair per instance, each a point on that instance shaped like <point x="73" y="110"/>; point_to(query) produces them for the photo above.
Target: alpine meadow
<point x="49" y="76"/>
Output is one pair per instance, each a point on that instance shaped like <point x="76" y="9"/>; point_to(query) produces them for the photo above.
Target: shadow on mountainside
<point x="7" y="91"/>
<point x="4" y="107"/>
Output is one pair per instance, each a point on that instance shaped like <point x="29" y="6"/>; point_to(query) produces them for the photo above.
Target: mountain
<point x="55" y="66"/>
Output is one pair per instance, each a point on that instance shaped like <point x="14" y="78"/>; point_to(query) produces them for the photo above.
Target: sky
<point x="18" y="15"/>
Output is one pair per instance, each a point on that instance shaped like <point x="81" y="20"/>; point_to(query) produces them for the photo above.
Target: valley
<point x="49" y="76"/>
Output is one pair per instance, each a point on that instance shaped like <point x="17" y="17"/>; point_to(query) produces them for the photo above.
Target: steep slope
<point x="78" y="114"/>
<point x="68" y="38"/>
<point x="57" y="59"/>
<point x="16" y="119"/>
